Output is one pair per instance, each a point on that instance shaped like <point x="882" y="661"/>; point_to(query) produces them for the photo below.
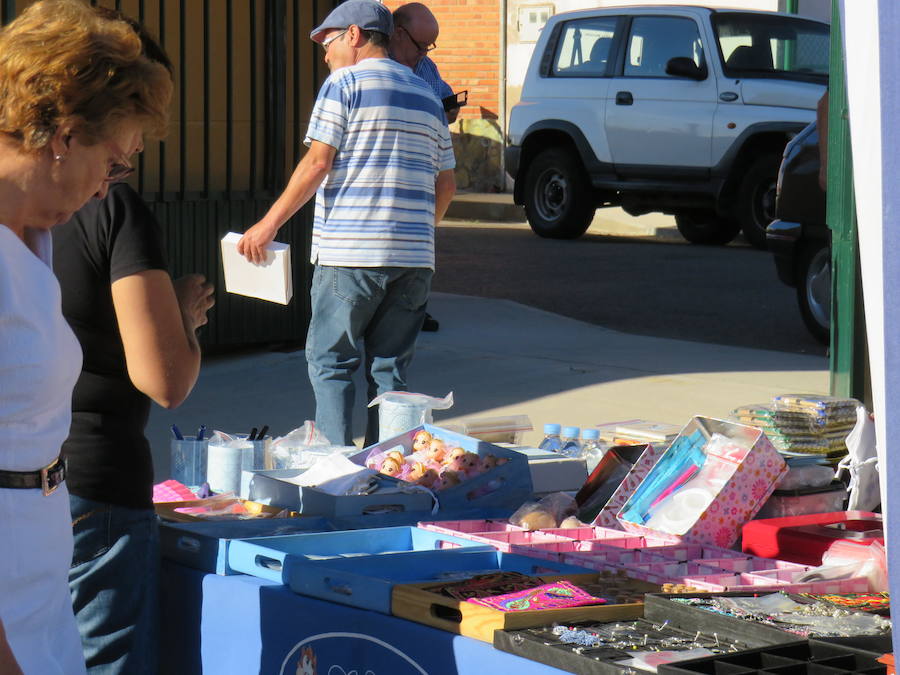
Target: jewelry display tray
<point x="659" y="607"/>
<point x="812" y="657"/>
<point x="541" y="645"/>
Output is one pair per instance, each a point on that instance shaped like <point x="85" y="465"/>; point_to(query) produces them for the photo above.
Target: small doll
<point x="390" y="466"/>
<point x="417" y="471"/>
<point x="428" y="479"/>
<point x="421" y="441"/>
<point x="456" y="465"/>
<point x="491" y="461"/>
<point x="436" y="450"/>
<point x="397" y="455"/>
<point x="447" y="479"/>
<point x="471" y="464"/>
<point x="452" y="454"/>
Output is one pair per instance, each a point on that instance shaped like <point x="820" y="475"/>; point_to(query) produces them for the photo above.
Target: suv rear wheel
<point x="559" y="201"/>
<point x="705" y="227"/>
<point x="756" y="198"/>
<point x="814" y="288"/>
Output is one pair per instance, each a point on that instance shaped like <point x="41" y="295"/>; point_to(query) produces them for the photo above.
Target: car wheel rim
<point x="764" y="204"/>
<point x="818" y="288"/>
<point x="552" y="194"/>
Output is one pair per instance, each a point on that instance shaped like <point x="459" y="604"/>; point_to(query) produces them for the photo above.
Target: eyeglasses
<point x="326" y="43"/>
<point x="121" y="168"/>
<point x="422" y="49"/>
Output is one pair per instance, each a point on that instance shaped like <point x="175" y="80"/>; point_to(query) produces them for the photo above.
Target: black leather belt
<point x="47" y="479"/>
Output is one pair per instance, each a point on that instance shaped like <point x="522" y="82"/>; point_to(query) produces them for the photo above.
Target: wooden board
<point x="411" y="601"/>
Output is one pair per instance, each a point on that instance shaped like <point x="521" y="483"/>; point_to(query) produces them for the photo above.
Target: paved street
<point x="661" y="287"/>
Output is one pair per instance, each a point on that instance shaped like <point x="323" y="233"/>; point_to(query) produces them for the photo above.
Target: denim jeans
<point x="377" y="311"/>
<point x="114" y="581"/>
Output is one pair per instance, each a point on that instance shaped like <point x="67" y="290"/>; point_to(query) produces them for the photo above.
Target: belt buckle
<point x="52" y="476"/>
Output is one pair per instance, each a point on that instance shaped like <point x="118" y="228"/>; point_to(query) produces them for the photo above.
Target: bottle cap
<point x="551" y="428"/>
<point x="571" y="432"/>
<point x="591" y="434"/>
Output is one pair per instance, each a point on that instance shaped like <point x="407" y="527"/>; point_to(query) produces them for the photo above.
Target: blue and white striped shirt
<point x="376" y="206"/>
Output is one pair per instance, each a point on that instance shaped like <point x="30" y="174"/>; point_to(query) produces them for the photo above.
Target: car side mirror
<point x="683" y="66"/>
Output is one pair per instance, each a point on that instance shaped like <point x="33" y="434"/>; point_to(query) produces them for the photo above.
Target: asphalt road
<point x="726" y="295"/>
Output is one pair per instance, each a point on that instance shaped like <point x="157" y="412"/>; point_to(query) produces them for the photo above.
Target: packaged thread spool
<point x="400" y="411"/>
<point x="228" y="456"/>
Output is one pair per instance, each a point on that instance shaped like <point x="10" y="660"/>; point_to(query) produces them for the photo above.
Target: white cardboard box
<point x="271" y="280"/>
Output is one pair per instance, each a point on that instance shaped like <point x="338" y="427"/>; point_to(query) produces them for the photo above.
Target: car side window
<point x="583" y="47"/>
<point x="656" y="39"/>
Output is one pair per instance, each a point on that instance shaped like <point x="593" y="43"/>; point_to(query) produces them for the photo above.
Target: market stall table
<point x="240" y="624"/>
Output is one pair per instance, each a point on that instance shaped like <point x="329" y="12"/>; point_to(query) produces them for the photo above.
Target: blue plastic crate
<point x="204" y="545"/>
<point x="366" y="579"/>
<point x="274" y="487"/>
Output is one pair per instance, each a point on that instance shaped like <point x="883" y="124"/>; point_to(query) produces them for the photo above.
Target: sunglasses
<point x="326" y="43"/>
<point x="423" y="49"/>
<point x="121" y="168"/>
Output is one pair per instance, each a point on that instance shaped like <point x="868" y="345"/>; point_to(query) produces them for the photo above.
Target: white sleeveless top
<point x="40" y="359"/>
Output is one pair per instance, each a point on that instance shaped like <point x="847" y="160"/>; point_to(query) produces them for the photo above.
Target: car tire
<point x="559" y="201"/>
<point x="814" y="288"/>
<point x="756" y="198"/>
<point x="705" y="227"/>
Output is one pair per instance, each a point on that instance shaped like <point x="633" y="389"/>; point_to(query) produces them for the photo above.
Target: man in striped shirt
<point x="380" y="163"/>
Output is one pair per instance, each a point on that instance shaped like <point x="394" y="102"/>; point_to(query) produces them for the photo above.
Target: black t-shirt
<point x="108" y="456"/>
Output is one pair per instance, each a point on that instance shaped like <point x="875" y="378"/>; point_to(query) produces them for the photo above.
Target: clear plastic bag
<point x="547" y="513"/>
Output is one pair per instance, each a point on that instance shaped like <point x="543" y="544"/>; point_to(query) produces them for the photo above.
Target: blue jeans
<point x="114" y="581"/>
<point x="378" y="308"/>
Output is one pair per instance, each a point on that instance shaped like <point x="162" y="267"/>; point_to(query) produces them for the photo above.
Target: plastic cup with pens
<point x="188" y="457"/>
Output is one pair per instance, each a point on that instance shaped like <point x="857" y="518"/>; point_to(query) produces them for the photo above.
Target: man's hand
<point x="253" y="244"/>
<point x="195" y="298"/>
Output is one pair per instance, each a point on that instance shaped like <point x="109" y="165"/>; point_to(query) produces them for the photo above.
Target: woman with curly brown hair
<point x="77" y="95"/>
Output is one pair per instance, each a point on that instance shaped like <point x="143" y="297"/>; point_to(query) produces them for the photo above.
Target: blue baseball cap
<point x="367" y="14"/>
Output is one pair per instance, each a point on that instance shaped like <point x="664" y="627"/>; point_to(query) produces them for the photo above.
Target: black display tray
<point x="541" y="645"/>
<point x="658" y="607"/>
<point x="811" y="657"/>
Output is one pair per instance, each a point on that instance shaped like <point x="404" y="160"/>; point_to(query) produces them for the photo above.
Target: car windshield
<point x="760" y="45"/>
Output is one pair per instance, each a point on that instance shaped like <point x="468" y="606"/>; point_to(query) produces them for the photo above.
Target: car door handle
<point x="728" y="96"/>
<point x="624" y="98"/>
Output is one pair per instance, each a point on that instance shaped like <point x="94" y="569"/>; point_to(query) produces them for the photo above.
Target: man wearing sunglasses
<point x="380" y="163"/>
<point x="415" y="35"/>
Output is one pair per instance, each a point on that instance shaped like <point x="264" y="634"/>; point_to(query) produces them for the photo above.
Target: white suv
<point x="682" y="110"/>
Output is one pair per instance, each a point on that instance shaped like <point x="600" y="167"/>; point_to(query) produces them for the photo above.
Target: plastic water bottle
<point x="571" y="446"/>
<point x="551" y="440"/>
<point x="592" y="448"/>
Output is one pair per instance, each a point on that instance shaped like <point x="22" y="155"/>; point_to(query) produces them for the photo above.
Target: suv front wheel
<point x="559" y="202"/>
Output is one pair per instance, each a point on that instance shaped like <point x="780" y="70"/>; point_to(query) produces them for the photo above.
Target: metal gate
<point x="246" y="75"/>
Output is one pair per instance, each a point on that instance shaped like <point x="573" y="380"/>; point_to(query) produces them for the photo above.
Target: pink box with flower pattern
<point x="752" y="468"/>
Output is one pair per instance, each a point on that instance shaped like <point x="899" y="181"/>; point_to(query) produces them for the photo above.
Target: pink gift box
<point x="754" y="468"/>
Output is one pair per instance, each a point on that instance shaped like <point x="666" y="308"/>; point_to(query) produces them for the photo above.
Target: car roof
<point x="664" y="9"/>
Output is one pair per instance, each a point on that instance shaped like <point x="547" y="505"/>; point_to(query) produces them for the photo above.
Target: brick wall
<point x="468" y="53"/>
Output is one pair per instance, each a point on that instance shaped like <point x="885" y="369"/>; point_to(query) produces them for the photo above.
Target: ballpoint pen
<point x="252" y="436"/>
<point x="201" y="432"/>
<point x="262" y="432"/>
<point x="176" y="432"/>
